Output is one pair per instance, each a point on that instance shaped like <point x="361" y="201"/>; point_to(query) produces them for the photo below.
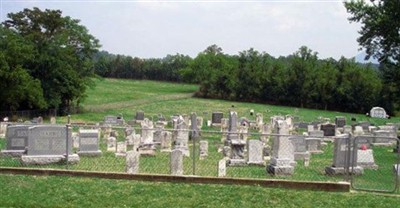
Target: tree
<point x="380" y="36"/>
<point x="62" y="53"/>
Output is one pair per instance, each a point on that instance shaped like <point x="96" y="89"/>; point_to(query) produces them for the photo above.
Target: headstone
<point x="166" y="140"/>
<point x="365" y="125"/>
<point x="365" y="159"/>
<point x="89" y="142"/>
<point x="303" y="125"/>
<point x="396" y="169"/>
<point x="139" y="116"/>
<point x="39" y="120"/>
<point x="222" y="168"/>
<point x="328" y="129"/>
<point x="47" y="144"/>
<point x="358" y="131"/>
<point x="199" y="122"/>
<point x="340" y="121"/>
<point x="343" y="157"/>
<point x="53" y="120"/>
<point x="255" y="151"/>
<point x="316" y="133"/>
<point x="259" y="121"/>
<point x="194" y="129"/>
<point x="121" y="149"/>
<point x="216" y="118"/>
<point x="384" y="138"/>
<point x="110" y="120"/>
<point x="378" y="112"/>
<point x="132" y="162"/>
<point x="310" y="128"/>
<point x="233" y="140"/>
<point x="75" y="140"/>
<point x="17" y="140"/>
<point x="347" y="129"/>
<point x="300" y="148"/>
<point x="146" y="146"/>
<point x="282" y="160"/>
<point x="111" y="144"/>
<point x="314" y="145"/>
<point x="159" y="128"/>
<point x="203" y="149"/>
<point x="3" y="129"/>
<point x="181" y="137"/>
<point x="176" y="163"/>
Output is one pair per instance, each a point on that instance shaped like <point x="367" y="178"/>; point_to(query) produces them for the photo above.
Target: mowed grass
<point x="126" y="97"/>
<point x="61" y="191"/>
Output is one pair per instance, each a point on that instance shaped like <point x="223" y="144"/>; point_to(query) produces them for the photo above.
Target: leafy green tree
<point x="18" y="88"/>
<point x="62" y="53"/>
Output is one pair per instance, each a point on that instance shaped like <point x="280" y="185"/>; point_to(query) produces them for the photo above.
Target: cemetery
<point x="213" y="145"/>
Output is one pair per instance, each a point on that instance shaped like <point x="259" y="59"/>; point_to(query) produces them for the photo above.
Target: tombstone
<point x="17" y="140"/>
<point x="121" y="149"/>
<point x="181" y="137"/>
<point x="222" y="168"/>
<point x="75" y="140"/>
<point x="111" y="144"/>
<point x="384" y="138"/>
<point x="304" y="125"/>
<point x="194" y="130"/>
<point x="139" y="116"/>
<point x="227" y="151"/>
<point x="146" y="146"/>
<point x="203" y="149"/>
<point x="89" y="142"/>
<point x="233" y="140"/>
<point x="166" y="140"/>
<point x="176" y="162"/>
<point x="255" y="152"/>
<point x="53" y="120"/>
<point x="161" y="119"/>
<point x="300" y="148"/>
<point x="378" y="112"/>
<point x="313" y="145"/>
<point x="310" y="128"/>
<point x="129" y="135"/>
<point x="132" y="162"/>
<point x="343" y="157"/>
<point x="157" y="133"/>
<point x="224" y="129"/>
<point x="106" y="132"/>
<point x="259" y="121"/>
<point x="216" y="118"/>
<point x="39" y="120"/>
<point x="347" y="129"/>
<point x="282" y="160"/>
<point x="358" y="131"/>
<point x="47" y="144"/>
<point x="199" y="122"/>
<point x="110" y="120"/>
<point x="365" y="159"/>
<point x="265" y="130"/>
<point x="363" y="141"/>
<point x="316" y="133"/>
<point x="243" y="132"/>
<point x="340" y="121"/>
<point x="3" y="129"/>
<point x="328" y="129"/>
<point x="365" y="125"/>
<point x="396" y="169"/>
<point x="289" y="121"/>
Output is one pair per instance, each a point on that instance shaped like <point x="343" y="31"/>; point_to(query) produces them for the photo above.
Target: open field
<point x="113" y="96"/>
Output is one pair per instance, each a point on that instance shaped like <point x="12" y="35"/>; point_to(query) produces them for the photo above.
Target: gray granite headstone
<point x="110" y="120"/>
<point x="132" y="162"/>
<point x="139" y="116"/>
<point x="176" y="162"/>
<point x="313" y="145"/>
<point x="255" y="150"/>
<point x="222" y="168"/>
<point x="203" y="149"/>
<point x="300" y="147"/>
<point x="365" y="159"/>
<point x="166" y="140"/>
<point x="340" y="121"/>
<point x="181" y="137"/>
<point x="328" y="129"/>
<point x="216" y="117"/>
<point x="17" y="140"/>
<point x="89" y="142"/>
<point x="378" y="112"/>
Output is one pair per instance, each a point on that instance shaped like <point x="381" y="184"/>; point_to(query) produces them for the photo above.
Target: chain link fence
<point x="172" y="148"/>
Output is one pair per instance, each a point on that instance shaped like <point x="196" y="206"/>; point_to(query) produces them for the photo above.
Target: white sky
<point x="157" y="28"/>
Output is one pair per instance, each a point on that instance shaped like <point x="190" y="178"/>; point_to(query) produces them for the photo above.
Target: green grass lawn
<point x="61" y="191"/>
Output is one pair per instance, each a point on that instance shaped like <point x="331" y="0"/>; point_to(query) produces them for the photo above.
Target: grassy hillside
<point x="115" y="96"/>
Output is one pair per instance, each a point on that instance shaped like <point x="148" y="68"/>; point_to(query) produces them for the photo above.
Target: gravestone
<point x="328" y="129"/>
<point x="282" y="160"/>
<point x="259" y="121"/>
<point x="222" y="168"/>
<point x="75" y="140"/>
<point x="316" y="133"/>
<point x="176" y="162"/>
<point x="384" y="138"/>
<point x="224" y="129"/>
<point x="200" y="122"/>
<point x="347" y="129"/>
<point x="47" y="144"/>
<point x="255" y="151"/>
<point x="89" y="142"/>
<point x="300" y="148"/>
<point x="53" y="120"/>
<point x="111" y="144"/>
<point x="203" y="149"/>
<point x="17" y="140"/>
<point x="194" y="130"/>
<point x="110" y="120"/>
<point x="132" y="162"/>
<point x="243" y="132"/>
<point x="216" y="118"/>
<point x="378" y="112"/>
<point x="310" y="128"/>
<point x="303" y="125"/>
<point x="3" y="129"/>
<point x="343" y="157"/>
<point x="139" y="116"/>
<point x="159" y="128"/>
<point x="313" y="145"/>
<point x="396" y="169"/>
<point x="181" y="137"/>
<point x="121" y="149"/>
<point x="233" y="140"/>
<point x="146" y="146"/>
<point x="365" y="159"/>
<point x="340" y="121"/>
<point x="166" y="139"/>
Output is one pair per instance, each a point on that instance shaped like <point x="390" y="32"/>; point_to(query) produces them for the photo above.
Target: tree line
<point x="300" y="79"/>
